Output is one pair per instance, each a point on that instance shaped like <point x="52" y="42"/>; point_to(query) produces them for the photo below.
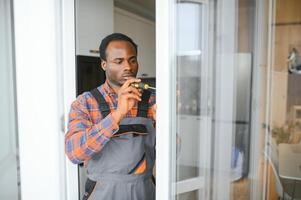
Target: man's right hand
<point x="127" y="97"/>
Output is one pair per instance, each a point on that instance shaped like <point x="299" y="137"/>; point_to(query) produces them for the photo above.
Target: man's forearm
<point x="83" y="141"/>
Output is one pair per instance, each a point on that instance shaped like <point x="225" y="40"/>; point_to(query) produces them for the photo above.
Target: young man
<point x="111" y="128"/>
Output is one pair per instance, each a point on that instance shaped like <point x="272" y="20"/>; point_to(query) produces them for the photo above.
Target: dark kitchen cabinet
<point x="89" y="73"/>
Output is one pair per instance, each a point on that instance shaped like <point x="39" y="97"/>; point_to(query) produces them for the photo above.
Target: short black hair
<point x="113" y="37"/>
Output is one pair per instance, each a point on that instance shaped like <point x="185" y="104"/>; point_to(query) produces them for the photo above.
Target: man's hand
<point x="127" y="97"/>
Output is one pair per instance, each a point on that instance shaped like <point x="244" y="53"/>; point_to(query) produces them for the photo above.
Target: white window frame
<point x="69" y="84"/>
<point x="163" y="80"/>
<point x="45" y="86"/>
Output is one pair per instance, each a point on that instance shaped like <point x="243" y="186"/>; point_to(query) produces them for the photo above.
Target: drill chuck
<point x="143" y="86"/>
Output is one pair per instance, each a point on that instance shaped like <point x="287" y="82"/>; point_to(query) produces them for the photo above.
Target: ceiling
<point x="143" y="8"/>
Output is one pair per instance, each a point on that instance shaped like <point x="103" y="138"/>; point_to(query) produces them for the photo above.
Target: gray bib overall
<point x="122" y="170"/>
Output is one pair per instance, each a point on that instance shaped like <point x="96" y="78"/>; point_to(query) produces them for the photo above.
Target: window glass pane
<point x="189" y="131"/>
<point x="9" y="167"/>
<point x="221" y="66"/>
<point x="233" y="59"/>
<point x="284" y="146"/>
<point x="187" y="195"/>
<point x="189" y="33"/>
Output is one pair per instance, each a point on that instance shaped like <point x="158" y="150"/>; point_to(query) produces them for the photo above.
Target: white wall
<point x="97" y="18"/>
<point x="142" y="31"/>
<point x="94" y="20"/>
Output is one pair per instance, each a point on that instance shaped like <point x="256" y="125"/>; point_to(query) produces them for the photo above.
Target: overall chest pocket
<point x="134" y="129"/>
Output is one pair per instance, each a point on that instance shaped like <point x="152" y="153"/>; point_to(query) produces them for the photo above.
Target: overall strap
<point x="143" y="104"/>
<point x="104" y="108"/>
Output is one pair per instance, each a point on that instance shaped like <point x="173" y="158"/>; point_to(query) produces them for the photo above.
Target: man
<point x="111" y="128"/>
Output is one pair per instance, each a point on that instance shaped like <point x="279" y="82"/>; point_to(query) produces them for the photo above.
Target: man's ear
<point x="103" y="65"/>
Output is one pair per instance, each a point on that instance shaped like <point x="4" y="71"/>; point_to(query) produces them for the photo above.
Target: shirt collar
<point x="108" y="89"/>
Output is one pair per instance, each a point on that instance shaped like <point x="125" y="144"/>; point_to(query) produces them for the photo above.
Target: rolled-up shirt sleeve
<point x="83" y="138"/>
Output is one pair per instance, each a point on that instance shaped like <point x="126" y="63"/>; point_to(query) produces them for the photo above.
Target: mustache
<point x="127" y="74"/>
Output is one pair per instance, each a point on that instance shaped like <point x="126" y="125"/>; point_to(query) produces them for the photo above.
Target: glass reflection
<point x="9" y="164"/>
<point x="190" y="158"/>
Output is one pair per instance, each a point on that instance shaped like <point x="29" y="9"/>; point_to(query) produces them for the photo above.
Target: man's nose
<point x="127" y="65"/>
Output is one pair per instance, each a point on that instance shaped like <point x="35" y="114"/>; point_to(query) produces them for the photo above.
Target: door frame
<point x="69" y="85"/>
<point x="164" y="97"/>
<point x="45" y="67"/>
<point x="166" y="185"/>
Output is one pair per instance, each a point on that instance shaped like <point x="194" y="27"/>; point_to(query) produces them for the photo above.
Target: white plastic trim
<point x="163" y="77"/>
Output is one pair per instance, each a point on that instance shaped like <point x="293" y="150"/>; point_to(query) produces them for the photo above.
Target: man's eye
<point x="133" y="60"/>
<point x="118" y="61"/>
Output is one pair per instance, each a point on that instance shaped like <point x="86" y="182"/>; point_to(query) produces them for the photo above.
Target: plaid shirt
<point x="88" y="131"/>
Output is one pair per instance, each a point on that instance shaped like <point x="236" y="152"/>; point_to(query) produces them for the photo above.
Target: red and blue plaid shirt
<point x="88" y="131"/>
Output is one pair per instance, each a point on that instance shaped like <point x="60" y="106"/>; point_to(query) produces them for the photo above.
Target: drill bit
<point x="143" y="86"/>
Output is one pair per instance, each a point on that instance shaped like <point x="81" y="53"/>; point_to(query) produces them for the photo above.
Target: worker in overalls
<point x="111" y="128"/>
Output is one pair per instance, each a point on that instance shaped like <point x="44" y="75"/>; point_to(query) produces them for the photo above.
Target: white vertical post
<point x="270" y="64"/>
<point x="69" y="85"/>
<point x="164" y="99"/>
<point x="257" y="141"/>
<point x="224" y="93"/>
<point x="39" y="39"/>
